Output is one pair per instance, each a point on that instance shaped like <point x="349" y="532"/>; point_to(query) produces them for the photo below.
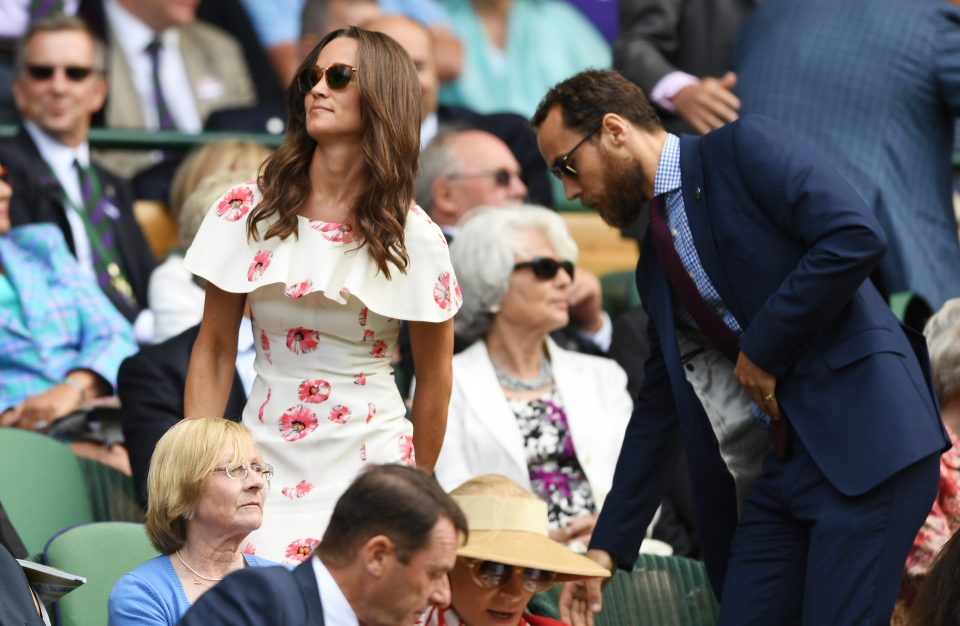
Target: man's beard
<point x="622" y="196"/>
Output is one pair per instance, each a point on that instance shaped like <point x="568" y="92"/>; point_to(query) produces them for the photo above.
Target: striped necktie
<point x="165" y="120"/>
<point x="99" y="228"/>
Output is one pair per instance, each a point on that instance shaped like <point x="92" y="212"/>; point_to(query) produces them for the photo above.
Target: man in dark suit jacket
<point x="874" y="86"/>
<point x="763" y="247"/>
<point x="384" y="559"/>
<point x="56" y="108"/>
<point x="679" y="52"/>
<point x="150" y="385"/>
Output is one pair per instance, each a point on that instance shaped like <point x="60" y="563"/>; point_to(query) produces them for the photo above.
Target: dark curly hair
<point x="586" y="97"/>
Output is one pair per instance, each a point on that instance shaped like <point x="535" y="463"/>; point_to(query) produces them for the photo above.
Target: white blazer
<point x="483" y="437"/>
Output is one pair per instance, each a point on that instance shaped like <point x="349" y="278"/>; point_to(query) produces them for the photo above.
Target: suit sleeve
<point x="651" y="446"/>
<point x="813" y="204"/>
<point x="151" y="400"/>
<point x="649" y="38"/>
<point x="946" y="57"/>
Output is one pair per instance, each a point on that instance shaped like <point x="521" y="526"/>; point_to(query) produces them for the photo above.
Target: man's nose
<point x="441" y="593"/>
<point x="518" y="191"/>
<point x="571" y="188"/>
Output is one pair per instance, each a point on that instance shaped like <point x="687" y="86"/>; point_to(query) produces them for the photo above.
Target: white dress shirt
<point x="134" y="36"/>
<point x="336" y="609"/>
<point x="60" y="159"/>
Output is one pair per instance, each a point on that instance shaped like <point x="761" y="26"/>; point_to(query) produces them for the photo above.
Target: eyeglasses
<point x="75" y="73"/>
<point x="6" y="176"/>
<point x="490" y="575"/>
<point x="501" y="176"/>
<point x="240" y="472"/>
<point x="338" y="77"/>
<point x="545" y="268"/>
<point x="561" y="167"/>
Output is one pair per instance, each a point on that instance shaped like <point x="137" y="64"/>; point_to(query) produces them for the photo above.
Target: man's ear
<point x="376" y="553"/>
<point x="615" y="129"/>
<point x="444" y="207"/>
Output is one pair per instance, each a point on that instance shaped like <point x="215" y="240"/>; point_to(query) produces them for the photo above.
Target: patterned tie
<point x="42" y="8"/>
<point x="98" y="225"/>
<point x="690" y="298"/>
<point x="164" y="118"/>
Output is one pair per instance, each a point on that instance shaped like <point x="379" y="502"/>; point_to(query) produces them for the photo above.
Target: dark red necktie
<point x="686" y="292"/>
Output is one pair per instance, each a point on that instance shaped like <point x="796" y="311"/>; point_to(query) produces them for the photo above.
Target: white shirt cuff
<point x="603" y="337"/>
<point x="668" y="87"/>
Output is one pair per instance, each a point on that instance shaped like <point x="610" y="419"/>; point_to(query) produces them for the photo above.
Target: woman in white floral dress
<point x="329" y="252"/>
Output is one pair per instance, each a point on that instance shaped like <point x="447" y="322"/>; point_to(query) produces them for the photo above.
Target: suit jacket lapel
<point x="306" y="581"/>
<point x="695" y="203"/>
<point x="486" y="400"/>
<point x="123" y="106"/>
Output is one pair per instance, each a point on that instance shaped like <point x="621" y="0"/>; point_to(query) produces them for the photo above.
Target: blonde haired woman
<point x="206" y="490"/>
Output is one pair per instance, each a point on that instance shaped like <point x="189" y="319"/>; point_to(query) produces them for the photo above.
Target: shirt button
<point x="673" y="232"/>
<point x="691" y="274"/>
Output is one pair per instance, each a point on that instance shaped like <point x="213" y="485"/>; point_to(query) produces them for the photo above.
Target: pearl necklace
<point x="195" y="572"/>
<point x="511" y="382"/>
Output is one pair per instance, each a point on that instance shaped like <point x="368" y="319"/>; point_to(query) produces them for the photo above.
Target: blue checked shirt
<point x="667" y="184"/>
<point x="53" y="318"/>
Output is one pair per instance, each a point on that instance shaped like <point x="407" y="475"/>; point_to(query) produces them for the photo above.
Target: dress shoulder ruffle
<point x="324" y="258"/>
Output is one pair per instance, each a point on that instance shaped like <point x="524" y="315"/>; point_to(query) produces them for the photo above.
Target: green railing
<point x="135" y="139"/>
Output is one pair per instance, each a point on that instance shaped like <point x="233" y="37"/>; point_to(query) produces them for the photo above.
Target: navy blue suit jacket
<point x="260" y="595"/>
<point x="788" y="244"/>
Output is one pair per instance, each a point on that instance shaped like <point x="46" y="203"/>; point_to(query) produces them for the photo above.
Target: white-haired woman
<point x="550" y="419"/>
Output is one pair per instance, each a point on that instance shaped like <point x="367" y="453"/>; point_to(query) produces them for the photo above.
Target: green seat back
<point x="660" y="591"/>
<point x="101" y="553"/>
<point x="42" y="486"/>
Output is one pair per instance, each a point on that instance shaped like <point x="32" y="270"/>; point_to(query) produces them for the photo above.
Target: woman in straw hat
<point x="508" y="557"/>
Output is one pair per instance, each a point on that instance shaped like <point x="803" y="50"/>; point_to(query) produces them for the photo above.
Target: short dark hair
<point x="398" y="501"/>
<point x="586" y="97"/>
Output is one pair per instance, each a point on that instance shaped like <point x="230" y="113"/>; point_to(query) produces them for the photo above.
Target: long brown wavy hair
<point x="390" y="108"/>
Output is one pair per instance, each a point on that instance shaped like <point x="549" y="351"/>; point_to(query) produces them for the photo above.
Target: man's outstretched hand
<point x="579" y="600"/>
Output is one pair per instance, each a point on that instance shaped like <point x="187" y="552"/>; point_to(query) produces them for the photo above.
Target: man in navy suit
<point x="754" y="276"/>
<point x="383" y="560"/>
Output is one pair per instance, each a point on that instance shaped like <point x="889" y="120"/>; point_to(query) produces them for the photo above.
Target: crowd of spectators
<point x="104" y="104"/>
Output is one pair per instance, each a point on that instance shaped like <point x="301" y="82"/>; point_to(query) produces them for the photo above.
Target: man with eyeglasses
<point x="58" y="87"/>
<point x="807" y="415"/>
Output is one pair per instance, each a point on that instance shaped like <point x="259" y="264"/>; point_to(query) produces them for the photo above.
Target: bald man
<point x="511" y="129"/>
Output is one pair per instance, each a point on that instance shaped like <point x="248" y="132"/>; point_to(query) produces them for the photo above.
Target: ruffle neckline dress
<point x="325" y="322"/>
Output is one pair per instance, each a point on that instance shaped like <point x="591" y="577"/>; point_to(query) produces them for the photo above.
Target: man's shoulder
<point x="209" y="37"/>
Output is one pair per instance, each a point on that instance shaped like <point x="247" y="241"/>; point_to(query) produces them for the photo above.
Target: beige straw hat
<point x="513" y="530"/>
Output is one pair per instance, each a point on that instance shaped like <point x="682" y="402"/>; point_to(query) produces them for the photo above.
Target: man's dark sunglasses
<point x="75" y="73"/>
<point x="338" y="77"/>
<point x="501" y="176"/>
<point x="545" y="268"/>
<point x="561" y="166"/>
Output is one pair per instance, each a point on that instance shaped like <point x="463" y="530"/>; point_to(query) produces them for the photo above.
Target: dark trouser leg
<point x="805" y="553"/>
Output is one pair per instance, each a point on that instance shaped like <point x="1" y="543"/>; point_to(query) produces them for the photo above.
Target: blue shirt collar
<point x="668" y="170"/>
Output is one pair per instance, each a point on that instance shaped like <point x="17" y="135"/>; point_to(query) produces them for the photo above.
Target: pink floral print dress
<point x="325" y="321"/>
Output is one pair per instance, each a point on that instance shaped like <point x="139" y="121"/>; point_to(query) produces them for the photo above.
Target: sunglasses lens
<point x="544" y="267"/>
<point x="338" y="76"/>
<point x="536" y="580"/>
<point x="77" y="74"/>
<point x="40" y="72"/>
<point x="491" y="574"/>
<point x="501" y="178"/>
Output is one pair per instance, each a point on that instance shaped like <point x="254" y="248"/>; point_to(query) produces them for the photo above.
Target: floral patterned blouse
<point x="555" y="472"/>
<point x="942" y="521"/>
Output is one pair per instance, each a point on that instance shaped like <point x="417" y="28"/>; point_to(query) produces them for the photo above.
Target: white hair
<point x="484" y="252"/>
<point x="943" y="341"/>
